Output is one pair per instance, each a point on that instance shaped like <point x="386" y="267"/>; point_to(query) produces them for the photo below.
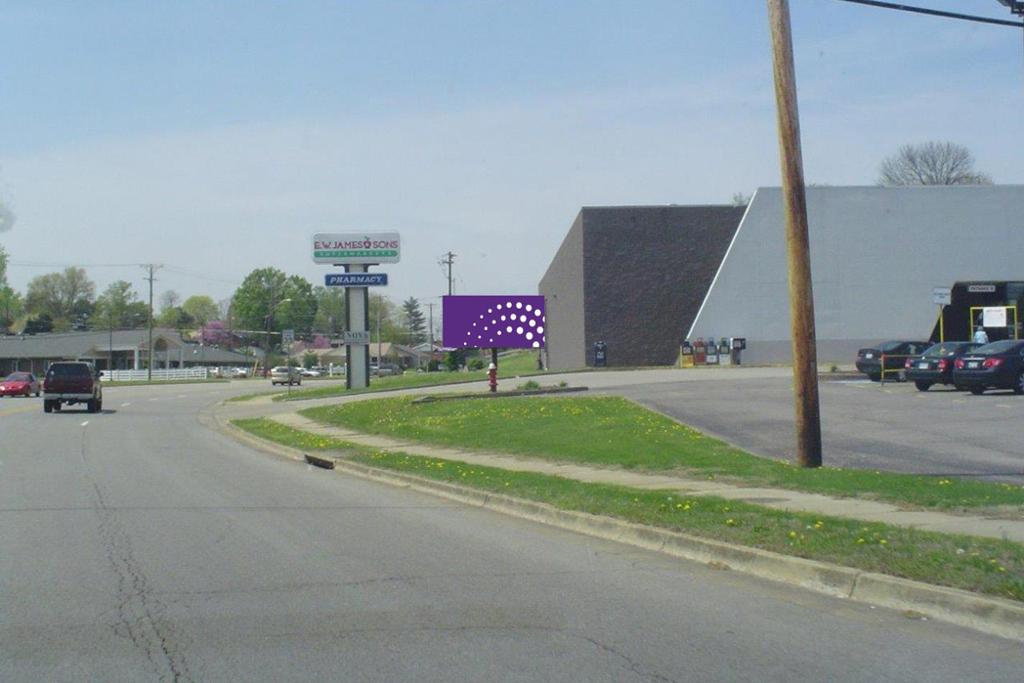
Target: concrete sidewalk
<point x="782" y="499"/>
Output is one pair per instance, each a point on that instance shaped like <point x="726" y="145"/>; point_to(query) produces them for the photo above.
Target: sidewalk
<point x="782" y="499"/>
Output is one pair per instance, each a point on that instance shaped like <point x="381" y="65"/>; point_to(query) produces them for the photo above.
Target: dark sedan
<point x="896" y="352"/>
<point x="935" y="365"/>
<point x="999" y="365"/>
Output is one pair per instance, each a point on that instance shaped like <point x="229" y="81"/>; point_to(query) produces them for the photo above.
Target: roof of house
<point x="97" y="343"/>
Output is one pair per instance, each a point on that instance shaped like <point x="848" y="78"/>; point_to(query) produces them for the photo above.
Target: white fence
<point x="158" y="374"/>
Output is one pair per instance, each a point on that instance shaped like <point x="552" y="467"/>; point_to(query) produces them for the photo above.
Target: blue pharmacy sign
<point x="355" y="279"/>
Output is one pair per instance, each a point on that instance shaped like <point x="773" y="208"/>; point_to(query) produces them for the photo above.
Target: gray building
<point x="632" y="277"/>
<point x="128" y="349"/>
<point x="644" y="278"/>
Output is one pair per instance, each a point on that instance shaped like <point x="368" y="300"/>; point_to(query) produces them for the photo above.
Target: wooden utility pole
<point x="448" y="260"/>
<point x="149" y="372"/>
<point x="801" y="296"/>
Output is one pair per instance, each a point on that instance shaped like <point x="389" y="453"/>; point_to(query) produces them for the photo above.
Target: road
<point x="139" y="545"/>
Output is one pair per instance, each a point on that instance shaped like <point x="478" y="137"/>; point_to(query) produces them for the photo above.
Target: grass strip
<point x="611" y="432"/>
<point x="981" y="565"/>
<point x="289" y="436"/>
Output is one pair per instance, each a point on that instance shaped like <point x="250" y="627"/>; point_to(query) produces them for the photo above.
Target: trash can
<point x="600" y="354"/>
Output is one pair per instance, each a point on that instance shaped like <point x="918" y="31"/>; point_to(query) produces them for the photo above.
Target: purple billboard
<point x="481" y="322"/>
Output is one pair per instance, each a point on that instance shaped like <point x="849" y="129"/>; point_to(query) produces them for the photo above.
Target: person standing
<point x="980" y="336"/>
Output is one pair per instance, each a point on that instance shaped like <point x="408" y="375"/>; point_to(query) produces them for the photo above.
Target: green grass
<point x="613" y="432"/>
<point x="288" y="436"/>
<point x="514" y="364"/>
<point x="977" y="564"/>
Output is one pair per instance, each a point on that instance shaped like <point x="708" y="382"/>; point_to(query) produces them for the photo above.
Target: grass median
<point x="612" y="432"/>
<point x="982" y="565"/>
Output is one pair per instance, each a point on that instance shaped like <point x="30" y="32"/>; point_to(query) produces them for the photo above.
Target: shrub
<point x="476" y="364"/>
<point x="528" y="386"/>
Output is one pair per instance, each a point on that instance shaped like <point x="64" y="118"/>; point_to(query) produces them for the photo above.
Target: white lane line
<point x="182" y="396"/>
<point x="154" y="399"/>
<point x="125" y="405"/>
<point x="1003" y="405"/>
<point x="85" y="423"/>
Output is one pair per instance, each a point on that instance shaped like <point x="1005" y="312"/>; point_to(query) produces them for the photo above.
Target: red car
<point x="19" y="384"/>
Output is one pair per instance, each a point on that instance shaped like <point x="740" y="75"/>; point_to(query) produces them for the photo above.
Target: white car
<point x="285" y="375"/>
<point x="239" y="373"/>
<point x="311" y="373"/>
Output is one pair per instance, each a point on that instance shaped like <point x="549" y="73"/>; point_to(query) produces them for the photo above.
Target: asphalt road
<point x="138" y="545"/>
<point x="864" y="425"/>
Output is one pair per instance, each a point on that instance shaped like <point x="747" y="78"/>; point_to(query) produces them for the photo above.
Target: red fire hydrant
<point x="492" y="377"/>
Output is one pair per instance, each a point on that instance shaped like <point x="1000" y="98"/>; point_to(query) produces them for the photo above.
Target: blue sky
<point x="217" y="137"/>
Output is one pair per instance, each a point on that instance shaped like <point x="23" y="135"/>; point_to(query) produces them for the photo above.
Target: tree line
<point x="267" y="302"/>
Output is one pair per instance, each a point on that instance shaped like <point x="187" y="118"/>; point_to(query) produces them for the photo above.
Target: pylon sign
<point x="356" y="247"/>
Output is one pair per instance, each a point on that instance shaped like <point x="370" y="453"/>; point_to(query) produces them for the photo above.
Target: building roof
<point x="84" y="344"/>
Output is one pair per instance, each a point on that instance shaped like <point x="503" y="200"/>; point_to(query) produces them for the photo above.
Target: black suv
<point x="68" y="383"/>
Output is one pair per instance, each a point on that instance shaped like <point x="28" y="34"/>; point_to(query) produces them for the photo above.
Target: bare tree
<point x="931" y="163"/>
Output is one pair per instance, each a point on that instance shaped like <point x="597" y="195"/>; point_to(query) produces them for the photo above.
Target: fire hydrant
<point x="492" y="377"/>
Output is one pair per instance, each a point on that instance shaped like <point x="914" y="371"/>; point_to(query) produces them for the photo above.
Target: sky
<point x="217" y="137"/>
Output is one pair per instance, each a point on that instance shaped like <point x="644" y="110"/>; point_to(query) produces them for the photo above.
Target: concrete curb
<point x="990" y="615"/>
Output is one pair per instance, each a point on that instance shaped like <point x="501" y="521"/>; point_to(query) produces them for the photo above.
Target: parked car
<point x="869" y="361"/>
<point x="385" y="369"/>
<point x="68" y="383"/>
<point x="311" y="372"/>
<point x="935" y="365"/>
<point x="19" y="384"/>
<point x="285" y="375"/>
<point x="999" y="365"/>
<point x="240" y="373"/>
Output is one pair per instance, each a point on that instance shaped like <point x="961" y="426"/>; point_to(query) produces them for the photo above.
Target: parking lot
<point x="865" y="425"/>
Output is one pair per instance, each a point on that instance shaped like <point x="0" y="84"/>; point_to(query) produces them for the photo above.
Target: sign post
<point x="356" y="252"/>
<point x="942" y="297"/>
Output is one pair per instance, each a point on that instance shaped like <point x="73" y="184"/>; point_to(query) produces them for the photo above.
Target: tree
<point x="118" y="307"/>
<point x="67" y="297"/>
<point x="175" y="318"/>
<point x="330" y="309"/>
<point x="214" y="333"/>
<point x="168" y="300"/>
<point x="931" y="163"/>
<point x="40" y="324"/>
<point x="268" y="298"/>
<point x="390" y="328"/>
<point x="202" y="309"/>
<point x="309" y="360"/>
<point x="11" y="305"/>
<point x="415" y="324"/>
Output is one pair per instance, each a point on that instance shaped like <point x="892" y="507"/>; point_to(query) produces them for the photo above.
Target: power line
<point x="937" y="13"/>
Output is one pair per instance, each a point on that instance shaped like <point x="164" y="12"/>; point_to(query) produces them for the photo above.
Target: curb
<point x="433" y="398"/>
<point x="990" y="615"/>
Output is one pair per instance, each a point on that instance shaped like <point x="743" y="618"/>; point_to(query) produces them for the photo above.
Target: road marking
<point x="1003" y="405"/>
<point x="182" y="396"/>
<point x="125" y="405"/>
<point x="154" y="399"/>
<point x="85" y="423"/>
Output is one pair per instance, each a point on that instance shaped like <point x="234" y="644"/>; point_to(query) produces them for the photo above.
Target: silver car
<point x="285" y="375"/>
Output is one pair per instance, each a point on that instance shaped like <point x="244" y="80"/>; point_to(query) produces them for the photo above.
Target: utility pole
<point x="430" y="307"/>
<point x="380" y="303"/>
<point x="448" y="260"/>
<point x="151" y="267"/>
<point x="801" y="296"/>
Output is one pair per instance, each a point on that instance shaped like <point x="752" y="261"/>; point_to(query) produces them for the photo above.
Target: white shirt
<point x="980" y="336"/>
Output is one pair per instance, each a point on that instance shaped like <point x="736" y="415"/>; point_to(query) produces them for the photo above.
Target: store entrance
<point x="966" y="311"/>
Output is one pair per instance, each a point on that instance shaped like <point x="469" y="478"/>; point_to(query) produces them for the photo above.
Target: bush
<point x="529" y="386"/>
<point x="453" y="360"/>
<point x="433" y="365"/>
<point x="476" y="364"/>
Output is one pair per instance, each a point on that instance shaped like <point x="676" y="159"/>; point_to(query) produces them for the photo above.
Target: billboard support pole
<point x="357" y="310"/>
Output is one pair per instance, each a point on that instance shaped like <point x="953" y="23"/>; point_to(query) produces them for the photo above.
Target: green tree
<point x="415" y="324"/>
<point x="201" y="308"/>
<point x="309" y="360"/>
<point x="11" y="305"/>
<point x="66" y="297"/>
<point x="270" y="298"/>
<point x="330" y="309"/>
<point x="391" y="329"/>
<point x="174" y="318"/>
<point x="118" y="307"/>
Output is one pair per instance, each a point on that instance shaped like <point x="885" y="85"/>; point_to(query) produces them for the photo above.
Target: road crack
<point x="141" y="618"/>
